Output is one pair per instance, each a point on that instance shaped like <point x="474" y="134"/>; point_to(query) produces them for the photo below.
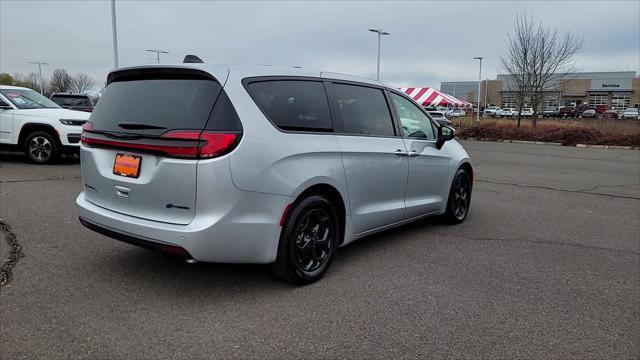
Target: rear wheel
<point x="42" y="147"/>
<point x="459" y="198"/>
<point x="308" y="241"/>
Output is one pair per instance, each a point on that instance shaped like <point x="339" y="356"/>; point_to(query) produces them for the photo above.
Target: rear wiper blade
<point x="134" y="126"/>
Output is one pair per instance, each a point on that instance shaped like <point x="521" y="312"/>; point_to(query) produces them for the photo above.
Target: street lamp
<point x="40" y="63"/>
<point x="380" y="32"/>
<point x="158" y="52"/>
<point x="479" y="81"/>
<point x="114" y="34"/>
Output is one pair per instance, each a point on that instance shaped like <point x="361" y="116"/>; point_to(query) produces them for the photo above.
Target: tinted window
<point x="164" y="104"/>
<point x="362" y="110"/>
<point x="293" y="104"/>
<point x="71" y="100"/>
<point x="224" y="115"/>
<point x="415" y="124"/>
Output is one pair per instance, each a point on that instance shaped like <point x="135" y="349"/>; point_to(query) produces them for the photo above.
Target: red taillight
<point x="211" y="144"/>
<point x="87" y="126"/>
<point x="201" y="145"/>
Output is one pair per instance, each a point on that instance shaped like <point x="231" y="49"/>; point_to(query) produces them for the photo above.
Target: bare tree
<point x="29" y="81"/>
<point x="537" y="58"/>
<point x="81" y="83"/>
<point x="60" y="82"/>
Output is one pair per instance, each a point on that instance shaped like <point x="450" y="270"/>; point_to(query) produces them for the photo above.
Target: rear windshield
<point x="71" y="100"/>
<point x="155" y="106"/>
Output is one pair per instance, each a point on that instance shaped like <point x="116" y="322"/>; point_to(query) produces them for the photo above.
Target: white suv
<point x="491" y="111"/>
<point x="36" y="125"/>
<point x="507" y="112"/>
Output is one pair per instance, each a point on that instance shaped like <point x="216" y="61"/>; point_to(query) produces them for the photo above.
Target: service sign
<point x="611" y="85"/>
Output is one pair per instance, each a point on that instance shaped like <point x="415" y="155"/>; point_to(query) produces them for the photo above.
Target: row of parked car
<point x="565" y="112"/>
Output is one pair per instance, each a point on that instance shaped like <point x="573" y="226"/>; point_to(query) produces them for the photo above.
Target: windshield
<point x="28" y="99"/>
<point x="71" y="100"/>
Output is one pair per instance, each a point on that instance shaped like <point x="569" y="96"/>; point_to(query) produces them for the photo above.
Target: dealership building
<point x="615" y="90"/>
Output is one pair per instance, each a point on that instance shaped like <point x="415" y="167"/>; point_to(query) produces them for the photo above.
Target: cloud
<point x="429" y="42"/>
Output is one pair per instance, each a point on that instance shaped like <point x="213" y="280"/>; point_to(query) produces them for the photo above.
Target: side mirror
<point x="4" y="105"/>
<point x="445" y="133"/>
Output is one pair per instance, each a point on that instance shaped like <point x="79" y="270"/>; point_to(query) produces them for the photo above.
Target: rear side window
<point x="224" y="116"/>
<point x="293" y="104"/>
<point x="361" y="110"/>
<point x="154" y="106"/>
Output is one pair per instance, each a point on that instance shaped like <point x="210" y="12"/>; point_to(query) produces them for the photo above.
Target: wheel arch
<point x="466" y="166"/>
<point x="334" y="196"/>
<point x="28" y="128"/>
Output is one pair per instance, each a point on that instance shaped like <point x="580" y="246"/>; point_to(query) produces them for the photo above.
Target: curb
<point x="613" y="147"/>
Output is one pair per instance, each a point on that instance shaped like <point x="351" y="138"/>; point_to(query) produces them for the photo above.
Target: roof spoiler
<point x="190" y="59"/>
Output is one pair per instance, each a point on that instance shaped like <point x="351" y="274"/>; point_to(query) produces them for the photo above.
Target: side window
<point x="415" y="124"/>
<point x="293" y="104"/>
<point x="362" y="110"/>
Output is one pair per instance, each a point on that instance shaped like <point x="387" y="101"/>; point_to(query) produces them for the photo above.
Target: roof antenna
<point x="192" y="59"/>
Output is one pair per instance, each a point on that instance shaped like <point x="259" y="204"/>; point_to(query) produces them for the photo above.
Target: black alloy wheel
<point x="459" y="198"/>
<point x="308" y="241"/>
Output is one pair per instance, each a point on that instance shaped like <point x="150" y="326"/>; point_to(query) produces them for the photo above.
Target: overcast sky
<point x="430" y="41"/>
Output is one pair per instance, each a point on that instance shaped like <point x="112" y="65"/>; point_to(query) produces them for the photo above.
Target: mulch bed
<point x="568" y="136"/>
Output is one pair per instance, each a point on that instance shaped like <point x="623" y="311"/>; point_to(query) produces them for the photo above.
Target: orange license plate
<point x="127" y="165"/>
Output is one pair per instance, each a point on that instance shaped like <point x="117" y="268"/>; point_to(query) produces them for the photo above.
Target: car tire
<point x="308" y="241"/>
<point x="459" y="198"/>
<point x="41" y="147"/>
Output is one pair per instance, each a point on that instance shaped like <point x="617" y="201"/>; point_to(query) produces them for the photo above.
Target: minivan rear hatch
<point x="145" y="137"/>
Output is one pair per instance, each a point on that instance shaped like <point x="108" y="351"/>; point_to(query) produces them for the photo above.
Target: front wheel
<point x="308" y="241"/>
<point x="42" y="147"/>
<point x="459" y="198"/>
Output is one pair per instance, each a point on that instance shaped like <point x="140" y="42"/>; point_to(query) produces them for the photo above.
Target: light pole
<point x="158" y="52"/>
<point x="479" y="81"/>
<point x="380" y="32"/>
<point x="114" y="33"/>
<point x="40" y="63"/>
<point x="486" y="91"/>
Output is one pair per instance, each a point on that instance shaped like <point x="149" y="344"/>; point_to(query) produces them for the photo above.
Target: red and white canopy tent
<point x="427" y="96"/>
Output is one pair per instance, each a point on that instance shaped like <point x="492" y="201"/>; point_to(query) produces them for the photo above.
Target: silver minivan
<point x="239" y="164"/>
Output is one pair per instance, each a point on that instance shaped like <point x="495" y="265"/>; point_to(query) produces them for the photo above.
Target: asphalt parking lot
<point x="546" y="266"/>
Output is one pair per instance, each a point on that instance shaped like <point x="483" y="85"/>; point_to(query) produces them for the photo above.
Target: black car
<point x="550" y="112"/>
<point x="73" y="102"/>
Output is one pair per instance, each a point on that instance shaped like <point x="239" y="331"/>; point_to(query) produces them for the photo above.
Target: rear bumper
<point x="135" y="240"/>
<point x="248" y="232"/>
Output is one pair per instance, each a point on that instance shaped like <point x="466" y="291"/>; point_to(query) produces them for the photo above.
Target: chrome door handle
<point x="413" y="153"/>
<point x="401" y="152"/>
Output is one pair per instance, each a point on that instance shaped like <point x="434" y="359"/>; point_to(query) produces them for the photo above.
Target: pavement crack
<point x="608" y="186"/>
<point x="585" y="191"/>
<point x="45" y="179"/>
<point x="15" y="253"/>
<point x="547" y="242"/>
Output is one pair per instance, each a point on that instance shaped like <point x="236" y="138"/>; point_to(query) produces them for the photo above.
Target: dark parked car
<point x="600" y="109"/>
<point x="567" y="111"/>
<point x="589" y="113"/>
<point x="550" y="111"/>
<point x="73" y="102"/>
<point x="610" y="114"/>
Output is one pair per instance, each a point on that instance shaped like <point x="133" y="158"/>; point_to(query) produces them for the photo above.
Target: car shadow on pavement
<point x="163" y="274"/>
<point x="18" y="157"/>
